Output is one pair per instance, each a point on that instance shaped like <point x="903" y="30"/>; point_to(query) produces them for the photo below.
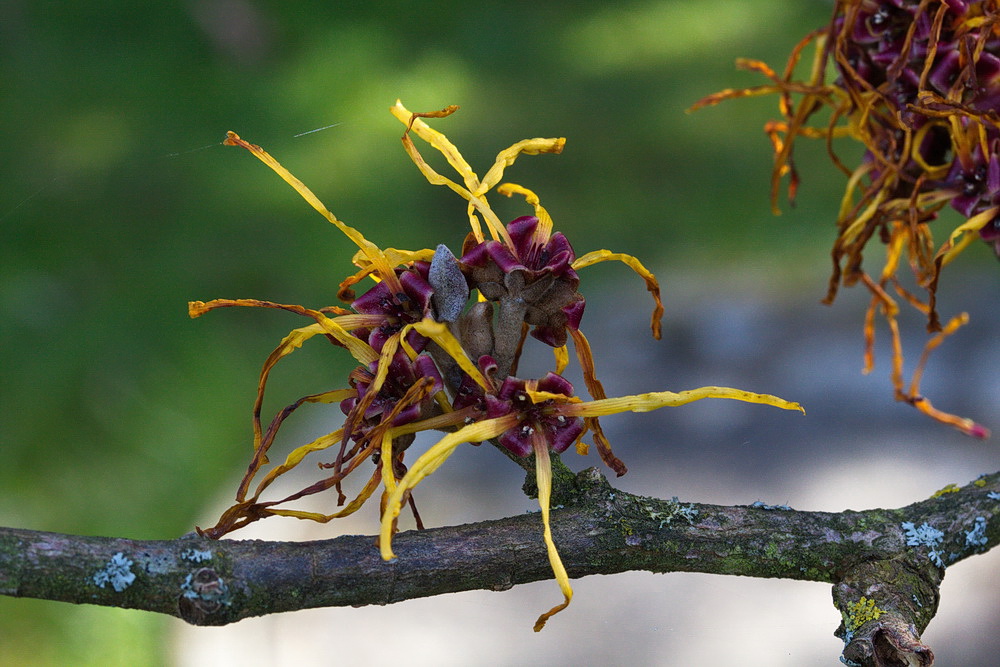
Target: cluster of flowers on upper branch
<point x="917" y="82"/>
<point x="438" y="339"/>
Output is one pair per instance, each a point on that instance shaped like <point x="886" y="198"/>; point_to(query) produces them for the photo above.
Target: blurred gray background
<point x="123" y="417"/>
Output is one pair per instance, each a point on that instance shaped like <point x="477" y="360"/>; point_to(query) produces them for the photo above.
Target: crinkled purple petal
<point x="347" y="405"/>
<point x="424" y="366"/>
<point x="503" y="257"/>
<point x="522" y="235"/>
<point x="551" y="336"/>
<point x="945" y="71"/>
<point x="991" y="231"/>
<point x="509" y="389"/>
<point x="574" y="313"/>
<point x="518" y="440"/>
<point x="555" y="384"/>
<point x="417" y="288"/>
<point x="957" y="6"/>
<point x="417" y="341"/>
<point x="380" y="335"/>
<point x="375" y="301"/>
<point x="562" y="434"/>
<point x="477" y="255"/>
<point x="558" y="253"/>
<point x="407" y="415"/>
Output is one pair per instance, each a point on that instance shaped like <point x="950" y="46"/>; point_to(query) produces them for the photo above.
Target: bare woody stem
<point x="599" y="530"/>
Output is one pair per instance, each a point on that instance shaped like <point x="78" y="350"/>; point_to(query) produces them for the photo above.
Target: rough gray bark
<point x="885" y="565"/>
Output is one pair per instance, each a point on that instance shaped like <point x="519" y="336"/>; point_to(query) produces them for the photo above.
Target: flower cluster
<point x="437" y="339"/>
<point x="918" y="84"/>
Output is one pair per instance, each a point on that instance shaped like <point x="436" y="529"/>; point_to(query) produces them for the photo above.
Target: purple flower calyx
<point x="537" y="404"/>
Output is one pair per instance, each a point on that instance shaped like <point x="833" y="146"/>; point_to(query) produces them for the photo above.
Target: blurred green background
<point x="120" y="416"/>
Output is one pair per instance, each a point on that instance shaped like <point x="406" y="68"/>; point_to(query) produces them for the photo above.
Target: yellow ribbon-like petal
<point x="440" y="334"/>
<point x="350" y="508"/>
<point x="663" y="399"/>
<point x="299" y="453"/>
<point x="633" y="263"/>
<point x="544" y="229"/>
<point x="388" y="479"/>
<point x="543" y="477"/>
<point x="561" y="354"/>
<point x="371" y="250"/>
<point x="430" y="461"/>
<point x="507" y="156"/>
<point x="438" y="141"/>
<point x="964" y="236"/>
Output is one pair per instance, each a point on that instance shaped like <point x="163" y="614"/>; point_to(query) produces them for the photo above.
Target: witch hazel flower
<point x="438" y="339"/>
<point x="917" y="84"/>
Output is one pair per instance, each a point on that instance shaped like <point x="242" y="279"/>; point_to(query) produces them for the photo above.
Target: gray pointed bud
<point x="451" y="290"/>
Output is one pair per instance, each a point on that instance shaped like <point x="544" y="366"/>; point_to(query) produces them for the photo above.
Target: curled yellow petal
<point x="961" y="236"/>
<point x="440" y="334"/>
<point x="543" y="477"/>
<point x="507" y="156"/>
<point x="562" y="358"/>
<point x="299" y="453"/>
<point x="430" y="461"/>
<point x="542" y="396"/>
<point x="438" y="141"/>
<point x="372" y="251"/>
<point x="544" y="229"/>
<point x="388" y="479"/>
<point x="350" y="508"/>
<point x="358" y="348"/>
<point x="633" y="263"/>
<point x="476" y="202"/>
<point x="663" y="399"/>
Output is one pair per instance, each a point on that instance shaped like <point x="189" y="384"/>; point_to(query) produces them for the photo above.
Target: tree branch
<point x="885" y="565"/>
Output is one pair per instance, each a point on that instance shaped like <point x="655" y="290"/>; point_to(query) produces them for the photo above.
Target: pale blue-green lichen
<point x="674" y="509"/>
<point x="117" y="572"/>
<point x="760" y="505"/>
<point x="993" y="495"/>
<point x="925" y="536"/>
<point x="976" y="537"/>
<point x="196" y="555"/>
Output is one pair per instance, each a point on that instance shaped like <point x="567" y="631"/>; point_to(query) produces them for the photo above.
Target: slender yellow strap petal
<point x="857" y="224"/>
<point x="950" y="249"/>
<point x="358" y="348"/>
<point x="372" y="251"/>
<point x="544" y="229"/>
<point x="663" y="399"/>
<point x="396" y="257"/>
<point x="350" y="508"/>
<point x="543" y="477"/>
<point x="389" y="348"/>
<point x="429" y="461"/>
<point x="299" y="453"/>
<point x="444" y="422"/>
<point x="562" y="358"/>
<point x="438" y="141"/>
<point x="388" y="479"/>
<point x="440" y="334"/>
<point x="360" y="321"/>
<point x="542" y="396"/>
<point x="507" y="156"/>
<point x="633" y="263"/>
